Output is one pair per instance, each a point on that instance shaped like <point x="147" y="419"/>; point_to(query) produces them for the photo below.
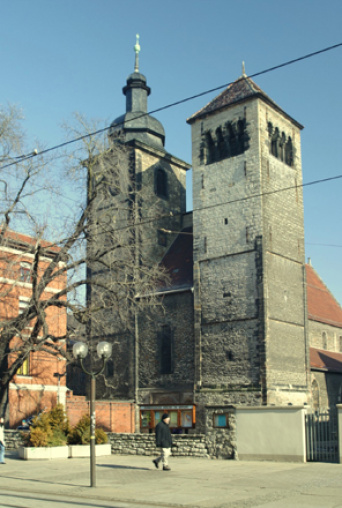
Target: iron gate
<point x="321" y="437"/>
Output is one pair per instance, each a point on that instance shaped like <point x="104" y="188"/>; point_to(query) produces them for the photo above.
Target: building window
<point x="109" y="368"/>
<point x="324" y="340"/>
<point x="166" y="350"/>
<point x="23" y="303"/>
<point x="315" y="395"/>
<point x="182" y="417"/>
<point x="161" y="183"/>
<point x="25" y="272"/>
<point x="340" y="395"/>
<point x="221" y="421"/>
<point x="340" y="343"/>
<point x="280" y="145"/>
<point x="227" y="141"/>
<point x="24" y="369"/>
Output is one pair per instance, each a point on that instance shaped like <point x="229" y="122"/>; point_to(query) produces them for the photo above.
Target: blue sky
<point x="62" y="56"/>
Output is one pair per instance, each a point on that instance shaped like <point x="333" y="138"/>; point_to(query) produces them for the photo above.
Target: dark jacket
<point x="163" y="435"/>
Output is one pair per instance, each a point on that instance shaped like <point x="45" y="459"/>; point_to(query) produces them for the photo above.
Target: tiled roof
<point x="242" y="89"/>
<point x="179" y="260"/>
<point x="322" y="306"/>
<point x="325" y="360"/>
<point x="25" y="242"/>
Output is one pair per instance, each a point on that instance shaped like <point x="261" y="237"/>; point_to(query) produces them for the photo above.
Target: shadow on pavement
<point x="114" y="466"/>
<point x="23" y="478"/>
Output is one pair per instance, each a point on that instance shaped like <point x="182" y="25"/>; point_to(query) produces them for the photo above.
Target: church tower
<point x="160" y="177"/>
<point x="250" y="319"/>
<point x="143" y="200"/>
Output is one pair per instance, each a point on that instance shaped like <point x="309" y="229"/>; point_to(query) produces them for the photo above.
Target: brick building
<point x="234" y="325"/>
<point x="40" y="382"/>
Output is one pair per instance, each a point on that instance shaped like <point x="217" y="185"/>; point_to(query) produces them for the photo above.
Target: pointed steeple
<point x="241" y="90"/>
<point x="137" y="124"/>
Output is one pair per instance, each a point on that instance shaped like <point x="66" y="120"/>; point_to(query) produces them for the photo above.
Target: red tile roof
<point x="322" y="306"/>
<point x="325" y="360"/>
<point x="21" y="241"/>
<point x="242" y="89"/>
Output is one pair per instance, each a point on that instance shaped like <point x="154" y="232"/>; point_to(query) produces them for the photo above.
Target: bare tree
<point x="92" y="260"/>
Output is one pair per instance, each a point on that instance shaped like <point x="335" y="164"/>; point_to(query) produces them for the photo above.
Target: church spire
<point x="136" y="90"/>
<point x="136" y="123"/>
<point x="137" y="51"/>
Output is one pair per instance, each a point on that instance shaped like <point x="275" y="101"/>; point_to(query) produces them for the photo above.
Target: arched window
<point x="210" y="148"/>
<point x="315" y="395"/>
<point x="274" y="142"/>
<point x="161" y="183"/>
<point x="289" y="152"/>
<point x="221" y="146"/>
<point x="166" y="350"/>
<point x="324" y="340"/>
<point x="109" y="369"/>
<point x="340" y="395"/>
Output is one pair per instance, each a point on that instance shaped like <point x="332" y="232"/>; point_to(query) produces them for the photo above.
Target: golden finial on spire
<point x="137" y="51"/>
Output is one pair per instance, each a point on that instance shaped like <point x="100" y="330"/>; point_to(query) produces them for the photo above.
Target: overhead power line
<point x="173" y="104"/>
<point x="172" y="214"/>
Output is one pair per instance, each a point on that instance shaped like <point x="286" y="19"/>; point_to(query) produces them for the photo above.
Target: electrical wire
<point x="245" y="198"/>
<point x="172" y="214"/>
<point x="173" y="104"/>
<point x="175" y="214"/>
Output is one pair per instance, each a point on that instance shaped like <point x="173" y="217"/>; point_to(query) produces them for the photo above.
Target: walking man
<point x="2" y="442"/>
<point x="163" y="441"/>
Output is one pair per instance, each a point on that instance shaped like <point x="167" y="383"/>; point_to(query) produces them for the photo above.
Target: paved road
<point x="132" y="481"/>
<point x="9" y="500"/>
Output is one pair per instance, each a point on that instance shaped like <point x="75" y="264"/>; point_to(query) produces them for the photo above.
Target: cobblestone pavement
<point x="132" y="481"/>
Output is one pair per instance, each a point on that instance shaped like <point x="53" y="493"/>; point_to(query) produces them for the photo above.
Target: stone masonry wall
<point x="324" y="336"/>
<point x="178" y="314"/>
<point x="283" y="247"/>
<point x="194" y="445"/>
<point x="215" y="445"/>
<point x="229" y="293"/>
<point x="12" y="439"/>
<point x="251" y="321"/>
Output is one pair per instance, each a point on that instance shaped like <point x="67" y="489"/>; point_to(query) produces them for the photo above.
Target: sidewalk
<point x="203" y="483"/>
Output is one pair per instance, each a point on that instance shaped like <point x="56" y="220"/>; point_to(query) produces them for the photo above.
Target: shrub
<point x="80" y="433"/>
<point x="39" y="437"/>
<point x="48" y="429"/>
<point x="58" y="419"/>
<point x="100" y="436"/>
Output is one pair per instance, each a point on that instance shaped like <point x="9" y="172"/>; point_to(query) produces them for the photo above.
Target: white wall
<point x="271" y="433"/>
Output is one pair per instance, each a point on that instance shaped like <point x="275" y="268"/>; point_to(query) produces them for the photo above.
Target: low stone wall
<point x="12" y="439"/>
<point x="192" y="445"/>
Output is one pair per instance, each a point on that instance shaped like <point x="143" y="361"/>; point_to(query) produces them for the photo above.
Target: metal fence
<point x="321" y="437"/>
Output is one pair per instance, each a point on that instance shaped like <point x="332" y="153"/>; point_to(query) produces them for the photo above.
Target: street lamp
<point x="104" y="351"/>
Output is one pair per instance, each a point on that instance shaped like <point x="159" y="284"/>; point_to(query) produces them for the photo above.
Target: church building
<point x="232" y="325"/>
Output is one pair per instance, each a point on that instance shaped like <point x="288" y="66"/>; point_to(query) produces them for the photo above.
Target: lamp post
<point x="104" y="351"/>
